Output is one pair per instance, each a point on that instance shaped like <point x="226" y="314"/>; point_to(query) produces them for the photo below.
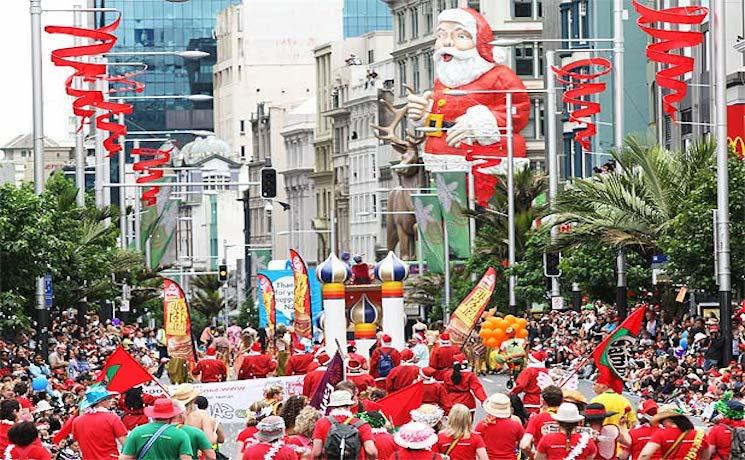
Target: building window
<point x="243" y="153"/>
<point x="243" y="126"/>
<point x="370" y="56"/>
<point x="414" y="23"/>
<point x="415" y="73"/>
<point x="524" y="59"/>
<point x="522" y="9"/>
<point x="441" y="5"/>
<point x="475" y="4"/>
<point x="402" y="78"/>
<point x="429" y="65"/>
<point x="427" y="17"/>
<point x="401" y="23"/>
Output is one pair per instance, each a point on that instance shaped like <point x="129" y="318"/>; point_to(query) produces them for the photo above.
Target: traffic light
<point x="268" y="182"/>
<point x="222" y="273"/>
<point x="551" y="264"/>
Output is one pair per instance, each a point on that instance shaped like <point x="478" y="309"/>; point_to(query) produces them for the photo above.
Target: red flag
<point x="396" y="406"/>
<point x="334" y="374"/>
<point x="609" y="357"/>
<point x="302" y="321"/>
<point x="122" y="372"/>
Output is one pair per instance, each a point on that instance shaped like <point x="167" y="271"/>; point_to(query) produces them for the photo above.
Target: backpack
<point x="343" y="441"/>
<point x="385" y="364"/>
<point x="737" y="446"/>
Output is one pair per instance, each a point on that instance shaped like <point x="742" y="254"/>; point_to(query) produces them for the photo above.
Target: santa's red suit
<point x="256" y="365"/>
<point x="404" y="375"/>
<point x="434" y="392"/>
<point x="313" y="378"/>
<point x="299" y="362"/>
<point x="210" y="368"/>
<point x="443" y="356"/>
<point x="468" y="387"/>
<point x="527" y="381"/>
<point x="353" y="355"/>
<point x="361" y="379"/>
<point x="386" y="348"/>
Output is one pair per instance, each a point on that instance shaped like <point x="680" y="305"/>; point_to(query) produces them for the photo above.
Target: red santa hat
<point x="407" y="355"/>
<point x="386" y="339"/>
<point x="256" y="346"/>
<point x="323" y="358"/>
<point x="476" y="25"/>
<point x="298" y="346"/>
<point x="427" y="372"/>
<point x="648" y="407"/>
<point x="211" y="351"/>
<point x="537" y="357"/>
<point x="460" y="358"/>
<point x="354" y="365"/>
<point x="444" y="338"/>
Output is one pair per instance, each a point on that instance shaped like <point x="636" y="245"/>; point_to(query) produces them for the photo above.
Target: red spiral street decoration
<point x="674" y="66"/>
<point x="158" y="158"/>
<point x="581" y="89"/>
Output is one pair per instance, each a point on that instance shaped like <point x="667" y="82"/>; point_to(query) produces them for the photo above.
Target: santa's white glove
<point x="478" y="123"/>
<point x="418" y="107"/>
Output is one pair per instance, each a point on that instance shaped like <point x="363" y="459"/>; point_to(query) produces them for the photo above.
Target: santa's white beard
<point x="462" y="69"/>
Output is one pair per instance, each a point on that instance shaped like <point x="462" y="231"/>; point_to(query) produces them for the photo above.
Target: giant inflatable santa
<point x="467" y="126"/>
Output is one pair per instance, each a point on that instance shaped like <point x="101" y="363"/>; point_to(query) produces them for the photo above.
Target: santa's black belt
<point x="437" y="122"/>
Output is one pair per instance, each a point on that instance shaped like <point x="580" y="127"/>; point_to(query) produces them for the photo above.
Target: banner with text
<point x="177" y="322"/>
<point x="465" y="317"/>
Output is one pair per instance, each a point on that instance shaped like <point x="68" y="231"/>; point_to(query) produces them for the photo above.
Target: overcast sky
<point x="15" y="78"/>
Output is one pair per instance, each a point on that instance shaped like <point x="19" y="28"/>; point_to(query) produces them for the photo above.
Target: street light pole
<point x="553" y="160"/>
<point x="510" y="202"/>
<point x="722" y="228"/>
<point x="38" y="135"/>
<point x="79" y="135"/>
<point x="122" y="190"/>
<point x="618" y="113"/>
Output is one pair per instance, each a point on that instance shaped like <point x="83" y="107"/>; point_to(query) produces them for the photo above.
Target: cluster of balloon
<point x="494" y="330"/>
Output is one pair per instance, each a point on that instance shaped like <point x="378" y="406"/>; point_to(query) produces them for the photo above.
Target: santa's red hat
<point x="460" y="358"/>
<point x="256" y="346"/>
<point x="407" y="355"/>
<point x="354" y="365"/>
<point x="445" y="338"/>
<point x="211" y="351"/>
<point x="648" y="407"/>
<point x="298" y="346"/>
<point x="428" y="372"/>
<point x="476" y="25"/>
<point x="607" y="378"/>
<point x="386" y="339"/>
<point x="323" y="358"/>
<point x="537" y="357"/>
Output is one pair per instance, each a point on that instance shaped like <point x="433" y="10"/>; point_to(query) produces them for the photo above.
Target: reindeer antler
<point x="388" y="133"/>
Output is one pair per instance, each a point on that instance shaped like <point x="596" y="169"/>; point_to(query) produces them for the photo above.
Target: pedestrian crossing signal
<point x="222" y="273"/>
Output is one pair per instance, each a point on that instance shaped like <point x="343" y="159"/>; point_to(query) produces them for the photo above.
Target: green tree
<point x="207" y="295"/>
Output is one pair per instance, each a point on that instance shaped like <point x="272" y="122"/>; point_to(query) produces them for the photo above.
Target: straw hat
<point x="270" y="429"/>
<point x="667" y="411"/>
<point x="574" y="396"/>
<point x="498" y="405"/>
<point x="185" y="393"/>
<point x="415" y="435"/>
<point x="162" y="409"/>
<point x="42" y="406"/>
<point x="340" y="398"/>
<point x="428" y="414"/>
<point x="567" y="413"/>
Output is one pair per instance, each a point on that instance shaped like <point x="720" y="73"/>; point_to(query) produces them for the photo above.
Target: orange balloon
<point x="510" y="319"/>
<point x="491" y="320"/>
<point x="501" y="323"/>
<point x="521" y="334"/>
<point x="522" y="323"/>
<point x="485" y="332"/>
<point x="491" y="342"/>
<point x="499" y="334"/>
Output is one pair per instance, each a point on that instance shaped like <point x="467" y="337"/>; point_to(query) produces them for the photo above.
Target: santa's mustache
<point x="460" y="55"/>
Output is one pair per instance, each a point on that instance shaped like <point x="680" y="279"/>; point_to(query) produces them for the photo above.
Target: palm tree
<point x="207" y="297"/>
<point x="633" y="208"/>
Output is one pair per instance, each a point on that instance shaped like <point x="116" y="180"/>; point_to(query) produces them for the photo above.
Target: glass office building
<point x="362" y="16"/>
<point x="162" y="25"/>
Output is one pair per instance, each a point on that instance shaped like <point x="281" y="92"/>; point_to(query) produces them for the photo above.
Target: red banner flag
<point x="396" y="406"/>
<point x="302" y="322"/>
<point x="122" y="372"/>
<point x="334" y="374"/>
<point x="270" y="302"/>
<point x="177" y="322"/>
<point x="610" y="356"/>
<point x="469" y="311"/>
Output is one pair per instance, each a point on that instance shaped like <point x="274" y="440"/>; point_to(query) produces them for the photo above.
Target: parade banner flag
<point x="177" y="322"/>
<point x="398" y="405"/>
<point x="429" y="221"/>
<point x="453" y="198"/>
<point x="262" y="257"/>
<point x="268" y="301"/>
<point x="334" y="374"/>
<point x="302" y="320"/>
<point x="465" y="317"/>
<point x="612" y="356"/>
<point x="122" y="372"/>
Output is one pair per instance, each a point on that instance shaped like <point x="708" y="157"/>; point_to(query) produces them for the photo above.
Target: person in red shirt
<point x="210" y="368"/>
<point x="383" y="360"/>
<point x="403" y="375"/>
<point x="313" y="378"/>
<point x="133" y="403"/>
<point x="416" y="440"/>
<point x="9" y="410"/>
<point x="360" y="271"/>
<point x="257" y="412"/>
<point x="552" y="398"/>
<point x="434" y="392"/>
<point x="267" y="442"/>
<point x="527" y="381"/>
<point x="664" y="441"/>
<point x="341" y="403"/>
<point x="383" y="440"/>
<point x="500" y="431"/>
<point x="356" y="374"/>
<point x="25" y="443"/>
<point x="97" y="430"/>
<point x="299" y="362"/>
<point x="719" y="436"/>
<point x="568" y="442"/>
<point x="462" y="385"/>
<point x="443" y="356"/>
<point x="352" y="354"/>
<point x="641" y="434"/>
<point x="458" y="441"/>
<point x="256" y="365"/>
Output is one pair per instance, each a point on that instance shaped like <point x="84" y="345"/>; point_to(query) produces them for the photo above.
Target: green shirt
<point x="197" y="438"/>
<point x="170" y="444"/>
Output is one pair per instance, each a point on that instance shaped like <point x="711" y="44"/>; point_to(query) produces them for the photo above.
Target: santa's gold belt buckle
<point x="434" y="120"/>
